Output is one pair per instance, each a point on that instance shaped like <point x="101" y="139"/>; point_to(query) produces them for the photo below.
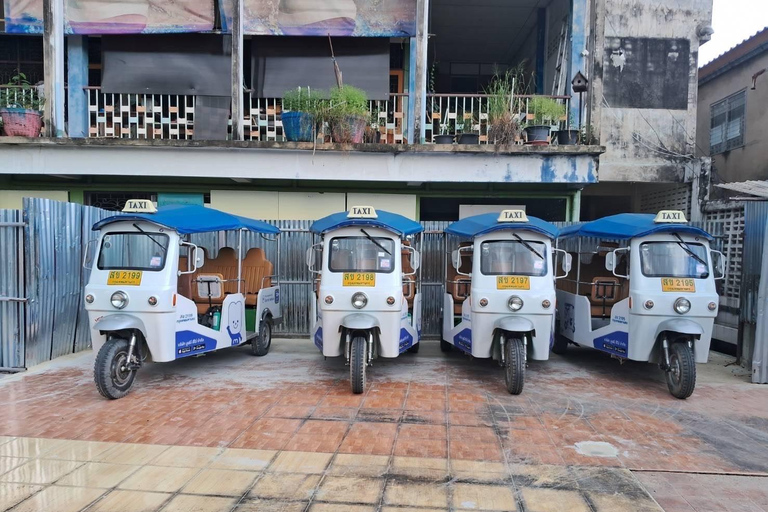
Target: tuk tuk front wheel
<point x="111" y="371"/>
<point x="357" y="364"/>
<point x="681" y="374"/>
<point x="260" y="345"/>
<point x="514" y="371"/>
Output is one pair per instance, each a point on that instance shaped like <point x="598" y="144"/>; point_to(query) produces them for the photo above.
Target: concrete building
<point x="150" y="109"/>
<point x="733" y="112"/>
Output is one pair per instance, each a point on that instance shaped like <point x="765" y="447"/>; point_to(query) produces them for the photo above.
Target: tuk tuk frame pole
<point x="239" y="258"/>
<point x="578" y="265"/>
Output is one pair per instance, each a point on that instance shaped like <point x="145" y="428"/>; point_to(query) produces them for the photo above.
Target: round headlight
<point x="545" y="304"/>
<point x="648" y="304"/>
<point x="515" y="303"/>
<point x="152" y="301"/>
<point x="483" y="302"/>
<point x="328" y="299"/>
<point x="391" y="301"/>
<point x="682" y="306"/>
<point x="89" y="299"/>
<point x="359" y="300"/>
<point x="119" y="300"/>
<point x="712" y="306"/>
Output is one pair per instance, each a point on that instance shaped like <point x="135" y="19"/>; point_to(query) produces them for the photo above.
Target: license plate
<point x="124" y="277"/>
<point x="678" y="285"/>
<point x="359" y="279"/>
<point x="513" y="283"/>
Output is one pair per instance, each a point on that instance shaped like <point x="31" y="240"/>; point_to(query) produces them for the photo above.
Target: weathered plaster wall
<point x="749" y="162"/>
<point x="644" y="82"/>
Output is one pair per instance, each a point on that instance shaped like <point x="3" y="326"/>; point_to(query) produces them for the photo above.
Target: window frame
<point x="725" y="144"/>
<point x="142" y="269"/>
<point x="533" y="243"/>
<point x="657" y="275"/>
<point x="345" y="237"/>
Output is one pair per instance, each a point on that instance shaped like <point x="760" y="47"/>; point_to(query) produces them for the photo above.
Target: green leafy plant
<point x="546" y="111"/>
<point x="588" y="136"/>
<point x="303" y="99"/>
<point x="503" y="125"/>
<point x="470" y="123"/>
<point x="19" y="93"/>
<point x="347" y="101"/>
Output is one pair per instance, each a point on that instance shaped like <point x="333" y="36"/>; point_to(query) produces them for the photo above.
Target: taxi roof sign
<point x="139" y="206"/>
<point x="670" y="216"/>
<point x="362" y="212"/>
<point x="512" y="216"/>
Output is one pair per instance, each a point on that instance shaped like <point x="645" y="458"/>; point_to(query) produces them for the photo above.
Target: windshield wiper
<point x="527" y="245"/>
<point x="369" y="237"/>
<point x="687" y="248"/>
<point x="151" y="238"/>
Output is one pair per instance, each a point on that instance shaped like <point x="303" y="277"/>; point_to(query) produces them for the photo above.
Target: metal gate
<point x="11" y="290"/>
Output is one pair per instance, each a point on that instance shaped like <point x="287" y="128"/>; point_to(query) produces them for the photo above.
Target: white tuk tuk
<point x="644" y="290"/>
<point x="500" y="290"/>
<point x="367" y="302"/>
<point x="153" y="296"/>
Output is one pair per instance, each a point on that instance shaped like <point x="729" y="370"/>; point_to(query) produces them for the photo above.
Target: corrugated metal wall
<point x="755" y="218"/>
<point x="11" y="289"/>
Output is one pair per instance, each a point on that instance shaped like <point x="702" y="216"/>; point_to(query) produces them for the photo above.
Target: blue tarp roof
<point x="386" y="220"/>
<point x="629" y="225"/>
<point x="476" y="225"/>
<point x="187" y="219"/>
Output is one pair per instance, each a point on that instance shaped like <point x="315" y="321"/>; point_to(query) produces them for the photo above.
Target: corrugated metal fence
<point x="11" y="289"/>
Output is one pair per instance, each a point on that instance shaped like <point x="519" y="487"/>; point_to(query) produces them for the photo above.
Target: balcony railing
<point x="12" y="95"/>
<point x="164" y="116"/>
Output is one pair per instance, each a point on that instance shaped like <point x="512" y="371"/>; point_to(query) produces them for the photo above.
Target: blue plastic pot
<point x="298" y="126"/>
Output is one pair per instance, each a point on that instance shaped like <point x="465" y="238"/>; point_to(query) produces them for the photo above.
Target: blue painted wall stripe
<point x="77" y="79"/>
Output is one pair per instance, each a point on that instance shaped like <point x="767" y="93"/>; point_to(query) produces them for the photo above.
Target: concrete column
<point x="237" y="70"/>
<point x="77" y="79"/>
<point x="419" y="64"/>
<point x="53" y="61"/>
<point x="575" y="213"/>
<point x="412" y="59"/>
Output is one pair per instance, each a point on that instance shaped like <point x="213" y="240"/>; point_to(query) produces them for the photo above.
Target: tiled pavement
<point x="438" y="432"/>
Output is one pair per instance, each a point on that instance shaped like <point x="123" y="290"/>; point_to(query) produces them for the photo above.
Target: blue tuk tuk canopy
<point x="629" y="225"/>
<point x="477" y="225"/>
<point x="189" y="219"/>
<point x="393" y="222"/>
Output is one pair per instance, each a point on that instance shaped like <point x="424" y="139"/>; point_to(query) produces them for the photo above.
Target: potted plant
<point x="503" y="125"/>
<point x="540" y="111"/>
<point x="447" y="129"/>
<point x="568" y="136"/>
<point x="588" y="136"/>
<point x="470" y="129"/>
<point x="20" y="106"/>
<point x="375" y="130"/>
<point x="348" y="114"/>
<point x="301" y="113"/>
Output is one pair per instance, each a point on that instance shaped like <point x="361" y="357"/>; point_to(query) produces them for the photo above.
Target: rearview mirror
<point x="718" y="265"/>
<point x="415" y="260"/>
<point x="610" y="261"/>
<point x="310" y="257"/>
<point x="567" y="262"/>
<point x="89" y="253"/>
<point x="199" y="257"/>
<point x="455" y="259"/>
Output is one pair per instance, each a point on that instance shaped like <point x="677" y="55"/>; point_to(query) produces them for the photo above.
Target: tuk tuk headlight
<point x="682" y="306"/>
<point x="359" y="300"/>
<point x="89" y="299"/>
<point x="515" y="303"/>
<point x="152" y="301"/>
<point x="119" y="300"/>
<point x="483" y="302"/>
<point x="546" y="303"/>
<point x="648" y="304"/>
<point x="712" y="306"/>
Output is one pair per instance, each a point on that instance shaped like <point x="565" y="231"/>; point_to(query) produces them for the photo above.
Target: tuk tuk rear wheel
<point x="414" y="349"/>
<point x="560" y="346"/>
<point x="445" y="346"/>
<point x="260" y="345"/>
<point x="357" y="364"/>
<point x="681" y="374"/>
<point x="514" y="371"/>
<point x="110" y="370"/>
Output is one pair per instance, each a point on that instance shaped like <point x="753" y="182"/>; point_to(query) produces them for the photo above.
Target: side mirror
<point x="415" y="260"/>
<point x="455" y="259"/>
<point x="310" y="257"/>
<point x="610" y="261"/>
<point x="567" y="263"/>
<point x="89" y="253"/>
<point x="199" y="257"/>
<point x="718" y="265"/>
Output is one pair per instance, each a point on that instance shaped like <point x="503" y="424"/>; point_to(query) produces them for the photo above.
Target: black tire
<point x="514" y="371"/>
<point x="445" y="346"/>
<point x="112" y="379"/>
<point x="681" y="375"/>
<point x="262" y="342"/>
<point x="560" y="346"/>
<point x="414" y="349"/>
<point x="357" y="364"/>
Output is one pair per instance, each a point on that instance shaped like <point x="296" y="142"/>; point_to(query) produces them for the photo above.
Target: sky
<point x="733" y="21"/>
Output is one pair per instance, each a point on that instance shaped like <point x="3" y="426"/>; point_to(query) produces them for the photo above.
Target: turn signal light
<point x="152" y="301"/>
<point x="648" y="304"/>
<point x="545" y="304"/>
<point x="391" y="301"/>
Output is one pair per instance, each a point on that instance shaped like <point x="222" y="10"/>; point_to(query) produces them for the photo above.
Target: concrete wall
<point x="644" y="83"/>
<point x="749" y="162"/>
<point x="12" y="198"/>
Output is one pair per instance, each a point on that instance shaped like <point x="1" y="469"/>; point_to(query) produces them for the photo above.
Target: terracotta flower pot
<point x="350" y="130"/>
<point x="21" y="122"/>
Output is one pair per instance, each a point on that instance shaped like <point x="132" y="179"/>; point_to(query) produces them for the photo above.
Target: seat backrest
<point x="256" y="267"/>
<point x="456" y="284"/>
<point x="342" y="258"/>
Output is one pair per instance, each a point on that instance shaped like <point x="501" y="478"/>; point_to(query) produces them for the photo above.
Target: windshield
<point x="671" y="259"/>
<point x="362" y="254"/>
<point x="133" y="251"/>
<point x="513" y="257"/>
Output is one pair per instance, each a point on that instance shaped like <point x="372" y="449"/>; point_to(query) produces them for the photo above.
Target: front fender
<point x="680" y="325"/>
<point x="359" y="321"/>
<point x="120" y="322"/>
<point x="514" y="324"/>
